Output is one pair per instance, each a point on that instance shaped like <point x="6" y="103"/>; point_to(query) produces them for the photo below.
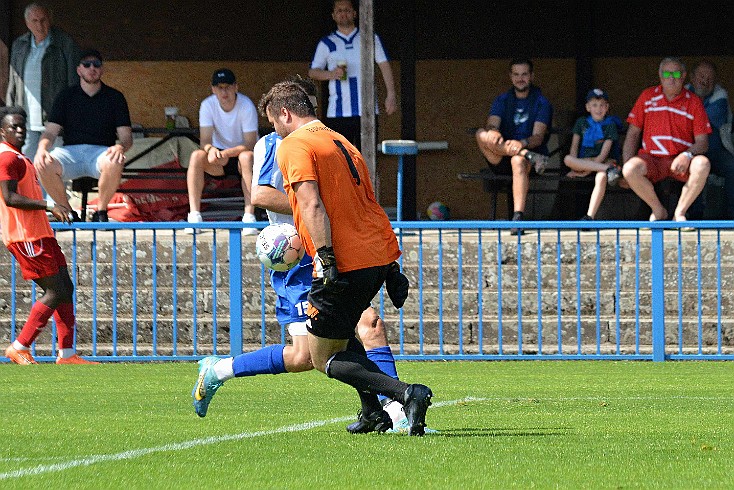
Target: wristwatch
<point x="689" y="154"/>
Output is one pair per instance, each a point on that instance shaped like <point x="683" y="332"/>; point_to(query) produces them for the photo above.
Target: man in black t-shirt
<point x="93" y="117"/>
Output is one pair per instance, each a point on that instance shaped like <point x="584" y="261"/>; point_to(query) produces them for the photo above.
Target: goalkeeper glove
<point x="397" y="285"/>
<point x="325" y="267"/>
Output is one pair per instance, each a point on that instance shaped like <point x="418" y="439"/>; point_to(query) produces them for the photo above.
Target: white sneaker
<point x="249" y="218"/>
<point x="194" y="217"/>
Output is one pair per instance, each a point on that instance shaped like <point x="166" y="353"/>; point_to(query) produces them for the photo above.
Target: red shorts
<point x="38" y="259"/>
<point x="658" y="168"/>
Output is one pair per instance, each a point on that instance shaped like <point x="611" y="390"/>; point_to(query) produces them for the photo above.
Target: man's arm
<point x="536" y="139"/>
<point x="324" y="75"/>
<point x="116" y="152"/>
<point x="631" y="142"/>
<point x="205" y="137"/>
<point x="9" y="191"/>
<point x="700" y="144"/>
<point x="313" y="213"/>
<point x="125" y="135"/>
<point x="42" y="156"/>
<point x="391" y="101"/>
<point x="682" y="162"/>
<point x="270" y="198"/>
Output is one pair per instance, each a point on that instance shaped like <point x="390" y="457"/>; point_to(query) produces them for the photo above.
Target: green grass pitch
<point x="502" y="424"/>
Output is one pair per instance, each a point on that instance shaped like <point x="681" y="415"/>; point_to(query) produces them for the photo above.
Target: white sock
<point x="395" y="410"/>
<point x="66" y="353"/>
<point x="18" y="346"/>
<point x="223" y="369"/>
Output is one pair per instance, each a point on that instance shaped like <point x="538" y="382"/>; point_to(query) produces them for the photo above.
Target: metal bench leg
<point x="83" y="211"/>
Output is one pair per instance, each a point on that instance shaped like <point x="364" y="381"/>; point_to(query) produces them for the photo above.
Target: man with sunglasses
<point x="674" y="128"/>
<point x="93" y="117"/>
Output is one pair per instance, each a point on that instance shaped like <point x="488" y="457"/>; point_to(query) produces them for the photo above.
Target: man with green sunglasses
<point x="673" y="126"/>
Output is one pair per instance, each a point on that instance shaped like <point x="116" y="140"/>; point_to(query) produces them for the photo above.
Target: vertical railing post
<point x="235" y="291"/>
<point x="657" y="271"/>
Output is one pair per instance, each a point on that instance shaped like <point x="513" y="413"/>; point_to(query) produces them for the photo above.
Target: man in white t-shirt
<point x="228" y="133"/>
<point x="337" y="60"/>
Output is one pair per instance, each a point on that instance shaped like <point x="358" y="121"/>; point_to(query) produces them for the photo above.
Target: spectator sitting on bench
<point x="674" y="128"/>
<point x="92" y="116"/>
<point x="518" y="122"/>
<point x="591" y="146"/>
<point x="228" y="133"/>
<point x="716" y="102"/>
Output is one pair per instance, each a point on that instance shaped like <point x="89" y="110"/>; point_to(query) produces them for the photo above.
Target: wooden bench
<point x="230" y="196"/>
<point x="573" y="194"/>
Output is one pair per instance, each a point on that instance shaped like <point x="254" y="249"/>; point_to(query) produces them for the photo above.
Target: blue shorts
<point x="79" y="160"/>
<point x="292" y="288"/>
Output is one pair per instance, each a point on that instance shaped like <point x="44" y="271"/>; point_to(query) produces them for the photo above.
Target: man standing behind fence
<point x="338" y="60"/>
<point x="29" y="237"/>
<point x="353" y="246"/>
<point x="42" y="63"/>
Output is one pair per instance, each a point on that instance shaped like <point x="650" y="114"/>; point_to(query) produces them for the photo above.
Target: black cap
<point x="597" y="93"/>
<point x="223" y="75"/>
<point x="91" y="53"/>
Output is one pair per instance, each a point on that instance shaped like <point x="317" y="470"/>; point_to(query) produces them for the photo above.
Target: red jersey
<point x="669" y="127"/>
<point x="361" y="233"/>
<point x="21" y="225"/>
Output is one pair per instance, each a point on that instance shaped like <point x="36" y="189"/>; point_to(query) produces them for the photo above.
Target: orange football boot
<point x="19" y="356"/>
<point x="75" y="359"/>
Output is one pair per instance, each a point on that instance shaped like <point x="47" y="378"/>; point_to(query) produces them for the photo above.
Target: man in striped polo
<point x="338" y="60"/>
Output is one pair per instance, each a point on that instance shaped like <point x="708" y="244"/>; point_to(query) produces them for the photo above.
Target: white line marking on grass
<point x="179" y="446"/>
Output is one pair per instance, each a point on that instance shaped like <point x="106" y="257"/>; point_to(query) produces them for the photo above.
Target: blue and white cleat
<point x="206" y="385"/>
<point x="402" y="426"/>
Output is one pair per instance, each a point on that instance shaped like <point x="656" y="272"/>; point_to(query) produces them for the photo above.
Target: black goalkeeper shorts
<point x="334" y="314"/>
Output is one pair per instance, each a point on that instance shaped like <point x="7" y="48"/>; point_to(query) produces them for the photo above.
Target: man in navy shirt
<point x="518" y="122"/>
<point x="93" y="118"/>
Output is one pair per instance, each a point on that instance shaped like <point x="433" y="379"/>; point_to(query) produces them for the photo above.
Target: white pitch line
<point x="179" y="446"/>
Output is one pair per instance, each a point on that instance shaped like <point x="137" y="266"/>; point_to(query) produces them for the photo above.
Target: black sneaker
<point x="100" y="216"/>
<point x="586" y="218"/>
<point x="517" y="231"/>
<point x="613" y="175"/>
<point x="417" y="399"/>
<point x="378" y="421"/>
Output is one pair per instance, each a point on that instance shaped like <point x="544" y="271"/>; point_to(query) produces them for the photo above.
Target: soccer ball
<point x="438" y="211"/>
<point x="279" y="247"/>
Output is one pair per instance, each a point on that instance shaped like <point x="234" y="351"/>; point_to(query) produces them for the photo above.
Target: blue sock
<point x="268" y="360"/>
<point x="382" y="356"/>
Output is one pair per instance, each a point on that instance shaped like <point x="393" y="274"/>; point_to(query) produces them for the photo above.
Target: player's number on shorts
<point x="302" y="307"/>
<point x="350" y="162"/>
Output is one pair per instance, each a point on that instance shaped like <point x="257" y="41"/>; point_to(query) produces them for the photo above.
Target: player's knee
<point x="301" y="362"/>
<point x="372" y="332"/>
<point x="197" y="159"/>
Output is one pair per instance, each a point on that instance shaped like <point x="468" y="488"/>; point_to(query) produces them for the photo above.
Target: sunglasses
<point x="89" y="63"/>
<point x="672" y="74"/>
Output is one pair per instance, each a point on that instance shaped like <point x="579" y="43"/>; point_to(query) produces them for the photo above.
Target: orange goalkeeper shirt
<point x="21" y="225"/>
<point x="361" y="233"/>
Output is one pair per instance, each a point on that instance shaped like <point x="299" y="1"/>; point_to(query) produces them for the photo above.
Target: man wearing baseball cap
<point x="227" y="134"/>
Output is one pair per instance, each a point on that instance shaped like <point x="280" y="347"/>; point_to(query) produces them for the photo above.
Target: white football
<point x="279" y="247"/>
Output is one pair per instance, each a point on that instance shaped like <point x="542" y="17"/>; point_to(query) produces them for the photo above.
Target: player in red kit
<point x="28" y="235"/>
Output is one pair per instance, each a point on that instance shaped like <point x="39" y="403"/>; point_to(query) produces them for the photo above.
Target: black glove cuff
<point x="326" y="255"/>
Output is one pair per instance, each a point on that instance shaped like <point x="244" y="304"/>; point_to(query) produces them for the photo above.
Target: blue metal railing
<point x="624" y="290"/>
